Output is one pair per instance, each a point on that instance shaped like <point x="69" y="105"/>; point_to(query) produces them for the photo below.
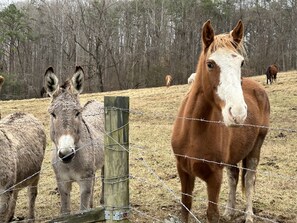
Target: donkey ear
<point x="51" y="82"/>
<point x="207" y="34"/>
<point x="237" y="32"/>
<point x="77" y="80"/>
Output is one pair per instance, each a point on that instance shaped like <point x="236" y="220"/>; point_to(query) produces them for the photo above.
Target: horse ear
<point x="77" y="80"/>
<point x="207" y="34"/>
<point x="237" y="32"/>
<point x="51" y="83"/>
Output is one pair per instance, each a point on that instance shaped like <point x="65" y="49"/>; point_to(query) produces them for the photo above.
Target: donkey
<point x="77" y="135"/>
<point x="22" y="147"/>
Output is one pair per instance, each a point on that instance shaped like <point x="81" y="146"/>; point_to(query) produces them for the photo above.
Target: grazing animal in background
<point x="1" y="82"/>
<point x="168" y="80"/>
<point x="77" y="133"/>
<point x="271" y="73"/>
<point x="43" y="93"/>
<point x="210" y="134"/>
<point x="23" y="142"/>
<point x="191" y="79"/>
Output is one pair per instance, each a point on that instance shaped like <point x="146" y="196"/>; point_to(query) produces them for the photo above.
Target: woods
<point x="124" y="44"/>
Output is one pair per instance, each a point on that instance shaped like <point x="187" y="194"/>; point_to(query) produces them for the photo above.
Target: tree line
<point x="123" y="44"/>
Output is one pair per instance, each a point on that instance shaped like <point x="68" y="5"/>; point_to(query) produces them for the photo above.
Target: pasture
<point x="154" y="185"/>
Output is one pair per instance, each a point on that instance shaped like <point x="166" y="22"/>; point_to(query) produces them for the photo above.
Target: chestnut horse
<point x="168" y="80"/>
<point x="204" y="137"/>
<point x="271" y="73"/>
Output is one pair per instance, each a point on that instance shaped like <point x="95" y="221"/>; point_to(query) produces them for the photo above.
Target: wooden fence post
<point x="116" y="165"/>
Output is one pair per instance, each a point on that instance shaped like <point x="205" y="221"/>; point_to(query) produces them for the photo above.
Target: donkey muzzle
<point x="66" y="156"/>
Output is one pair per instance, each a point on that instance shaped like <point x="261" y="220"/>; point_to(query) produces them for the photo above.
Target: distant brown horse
<point x="1" y="82"/>
<point x="204" y="137"/>
<point x="168" y="80"/>
<point x="271" y="73"/>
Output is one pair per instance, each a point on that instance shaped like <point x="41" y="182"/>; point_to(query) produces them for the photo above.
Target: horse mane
<point x="226" y="41"/>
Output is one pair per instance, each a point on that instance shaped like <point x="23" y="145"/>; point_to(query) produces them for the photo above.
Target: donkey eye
<point x="242" y="63"/>
<point x="77" y="114"/>
<point x="210" y="64"/>
<point x="53" y="115"/>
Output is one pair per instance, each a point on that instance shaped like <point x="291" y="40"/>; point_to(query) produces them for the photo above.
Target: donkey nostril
<point x="66" y="158"/>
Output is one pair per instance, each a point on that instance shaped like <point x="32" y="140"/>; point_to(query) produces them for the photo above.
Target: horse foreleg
<point x="187" y="186"/>
<point x="250" y="178"/>
<point x="233" y="175"/>
<point x="214" y="182"/>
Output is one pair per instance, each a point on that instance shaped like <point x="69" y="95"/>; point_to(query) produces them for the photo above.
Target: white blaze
<point x="229" y="89"/>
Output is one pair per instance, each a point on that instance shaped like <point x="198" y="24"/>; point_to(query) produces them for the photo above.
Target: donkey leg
<point x="86" y="192"/>
<point x="5" y="203"/>
<point x="65" y="189"/>
<point x="250" y="178"/>
<point x="187" y="186"/>
<point x="32" y="194"/>
<point x="214" y="182"/>
<point x="233" y="175"/>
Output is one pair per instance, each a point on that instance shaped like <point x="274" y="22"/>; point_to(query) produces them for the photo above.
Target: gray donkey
<point x="77" y="134"/>
<point x="22" y="146"/>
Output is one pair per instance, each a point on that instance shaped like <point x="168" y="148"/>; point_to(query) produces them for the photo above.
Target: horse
<point x="77" y="133"/>
<point x="1" y="82"/>
<point x="191" y="79"/>
<point x="271" y="73"/>
<point x="22" y="147"/>
<point x="168" y="80"/>
<point x="209" y="132"/>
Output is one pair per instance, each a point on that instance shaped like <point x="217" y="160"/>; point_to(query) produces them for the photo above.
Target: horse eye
<point x="77" y="114"/>
<point x="53" y="115"/>
<point x="210" y="64"/>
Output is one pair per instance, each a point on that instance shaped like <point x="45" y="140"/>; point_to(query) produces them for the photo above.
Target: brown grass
<point x="155" y="187"/>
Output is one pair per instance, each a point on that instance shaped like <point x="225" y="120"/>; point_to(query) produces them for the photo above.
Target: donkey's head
<point x="221" y="63"/>
<point x="65" y="111"/>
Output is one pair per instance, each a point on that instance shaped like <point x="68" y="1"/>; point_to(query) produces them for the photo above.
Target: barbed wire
<point x="127" y="177"/>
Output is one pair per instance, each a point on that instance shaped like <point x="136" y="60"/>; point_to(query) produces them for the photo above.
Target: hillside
<point x="154" y="186"/>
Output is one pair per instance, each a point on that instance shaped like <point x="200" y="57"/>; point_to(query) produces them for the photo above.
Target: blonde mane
<point x="226" y="41"/>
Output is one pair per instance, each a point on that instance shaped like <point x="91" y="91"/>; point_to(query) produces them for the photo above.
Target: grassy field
<point x="155" y="186"/>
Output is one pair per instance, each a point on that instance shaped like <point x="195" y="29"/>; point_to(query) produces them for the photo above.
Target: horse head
<point x="220" y="63"/>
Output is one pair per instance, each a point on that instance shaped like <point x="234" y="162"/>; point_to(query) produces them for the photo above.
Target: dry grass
<point x="155" y="187"/>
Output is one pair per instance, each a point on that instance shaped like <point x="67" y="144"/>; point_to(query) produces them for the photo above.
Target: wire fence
<point x="139" y="150"/>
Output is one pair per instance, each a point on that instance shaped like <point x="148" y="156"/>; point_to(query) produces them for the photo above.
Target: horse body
<point x="220" y="98"/>
<point x="191" y="79"/>
<point x="23" y="142"/>
<point x="168" y="80"/>
<point x="271" y="73"/>
<point x="77" y="134"/>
